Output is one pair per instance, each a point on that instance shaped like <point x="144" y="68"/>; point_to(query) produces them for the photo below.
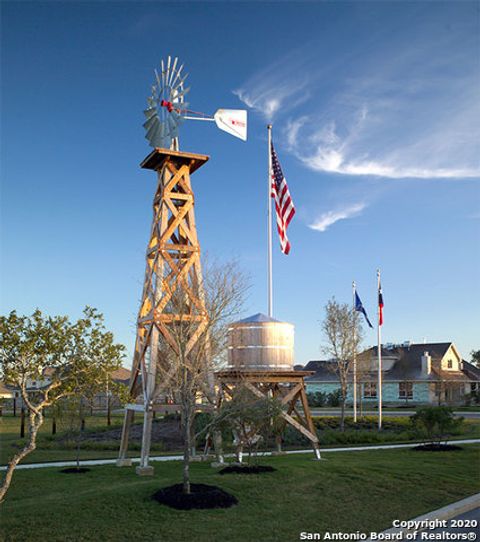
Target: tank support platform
<point x="286" y="386"/>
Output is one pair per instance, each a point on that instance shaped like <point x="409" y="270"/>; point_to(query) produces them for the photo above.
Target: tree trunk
<point x="79" y="435"/>
<point x="109" y="412"/>
<point x="35" y="421"/>
<point x="342" y="405"/>
<point x="187" y="433"/>
<point x="54" y="425"/>
<point x="22" y="423"/>
<point x="218" y="445"/>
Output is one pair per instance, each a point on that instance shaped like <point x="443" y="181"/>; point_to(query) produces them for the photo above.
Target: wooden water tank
<point x="260" y="343"/>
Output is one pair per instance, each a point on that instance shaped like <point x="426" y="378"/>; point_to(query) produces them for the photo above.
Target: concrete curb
<point x="447" y="512"/>
<point x="92" y="462"/>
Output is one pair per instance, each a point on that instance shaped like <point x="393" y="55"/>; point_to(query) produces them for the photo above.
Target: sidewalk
<point x="93" y="462"/>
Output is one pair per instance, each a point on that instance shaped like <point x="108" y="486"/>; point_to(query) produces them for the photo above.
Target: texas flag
<point x="380" y="304"/>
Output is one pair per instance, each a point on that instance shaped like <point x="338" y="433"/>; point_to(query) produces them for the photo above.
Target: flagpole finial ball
<point x="269" y="126"/>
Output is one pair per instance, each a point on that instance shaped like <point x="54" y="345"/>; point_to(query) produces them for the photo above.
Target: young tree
<point x="253" y="420"/>
<point x="73" y="355"/>
<point x="189" y="371"/>
<point x="343" y="334"/>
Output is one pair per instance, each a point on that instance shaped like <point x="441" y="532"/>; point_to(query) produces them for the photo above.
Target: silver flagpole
<point x="379" y="355"/>
<point x="270" y="277"/>
<point x="354" y="356"/>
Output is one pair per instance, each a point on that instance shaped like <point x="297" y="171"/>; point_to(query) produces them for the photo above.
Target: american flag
<point x="283" y="202"/>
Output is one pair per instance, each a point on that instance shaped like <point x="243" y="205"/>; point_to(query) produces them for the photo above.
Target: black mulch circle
<point x="437" y="448"/>
<point x="74" y="470"/>
<point x="256" y="469"/>
<point x="201" y="496"/>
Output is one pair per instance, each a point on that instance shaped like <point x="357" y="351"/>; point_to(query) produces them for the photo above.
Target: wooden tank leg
<point x="123" y="460"/>
<point x="217" y="439"/>
<point x="216" y="434"/>
<point x="308" y="419"/>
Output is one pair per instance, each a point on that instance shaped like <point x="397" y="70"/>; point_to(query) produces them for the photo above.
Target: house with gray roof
<point x="431" y="373"/>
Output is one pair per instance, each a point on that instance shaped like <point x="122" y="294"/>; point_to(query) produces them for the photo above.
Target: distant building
<point x="13" y="399"/>
<point x="432" y="373"/>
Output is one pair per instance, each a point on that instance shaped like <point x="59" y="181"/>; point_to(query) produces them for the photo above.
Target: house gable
<point x="451" y="361"/>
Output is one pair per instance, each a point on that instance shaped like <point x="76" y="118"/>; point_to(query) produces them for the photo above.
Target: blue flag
<point x="360" y="308"/>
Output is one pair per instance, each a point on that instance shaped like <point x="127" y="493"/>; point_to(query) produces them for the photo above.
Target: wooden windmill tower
<point x="173" y="253"/>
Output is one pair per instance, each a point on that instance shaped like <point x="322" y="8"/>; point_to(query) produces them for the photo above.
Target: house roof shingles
<point x="407" y="365"/>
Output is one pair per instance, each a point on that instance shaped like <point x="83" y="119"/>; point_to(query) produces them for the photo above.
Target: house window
<point x="449" y="364"/>
<point x="370" y="390"/>
<point x="405" y="390"/>
<point x="474" y="387"/>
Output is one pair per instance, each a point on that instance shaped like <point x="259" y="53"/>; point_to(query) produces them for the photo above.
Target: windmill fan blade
<point x="178" y="74"/>
<point x="158" y="78"/>
<point x="178" y="118"/>
<point x="149" y="122"/>
<point x="173" y="70"/>
<point x="157" y="138"/>
<point x="179" y="85"/>
<point x="163" y="72"/>
<point x="151" y="112"/>
<point x="172" y="125"/>
<point x="181" y="94"/>
<point x="153" y="129"/>
<point x="167" y="79"/>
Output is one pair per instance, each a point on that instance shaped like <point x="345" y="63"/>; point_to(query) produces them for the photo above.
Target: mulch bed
<point x="437" y="448"/>
<point x="202" y="496"/>
<point x="167" y="432"/>
<point x="74" y="470"/>
<point x="256" y="469"/>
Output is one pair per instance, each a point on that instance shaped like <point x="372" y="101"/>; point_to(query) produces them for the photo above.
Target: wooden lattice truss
<point x="172" y="269"/>
<point x="286" y="386"/>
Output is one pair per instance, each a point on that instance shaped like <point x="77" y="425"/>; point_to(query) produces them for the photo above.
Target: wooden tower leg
<point x="123" y="460"/>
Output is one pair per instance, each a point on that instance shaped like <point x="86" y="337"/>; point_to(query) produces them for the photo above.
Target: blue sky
<point x="376" y="115"/>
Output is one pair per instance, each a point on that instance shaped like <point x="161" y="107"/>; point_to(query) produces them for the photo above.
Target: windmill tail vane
<point x="167" y="109"/>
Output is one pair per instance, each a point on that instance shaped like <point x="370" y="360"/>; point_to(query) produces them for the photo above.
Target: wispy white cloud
<point x="407" y="108"/>
<point x="270" y="91"/>
<point x="448" y="150"/>
<point x="325" y="220"/>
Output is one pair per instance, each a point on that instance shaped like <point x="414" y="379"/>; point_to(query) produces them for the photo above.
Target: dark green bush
<point x="317" y="399"/>
<point x="434" y="424"/>
<point x="334" y="398"/>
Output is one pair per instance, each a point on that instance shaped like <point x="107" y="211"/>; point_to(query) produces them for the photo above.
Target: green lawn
<point x="346" y="492"/>
<point x="47" y="450"/>
<point x="55" y="449"/>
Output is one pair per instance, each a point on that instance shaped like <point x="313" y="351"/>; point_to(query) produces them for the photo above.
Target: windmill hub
<point x="168" y="105"/>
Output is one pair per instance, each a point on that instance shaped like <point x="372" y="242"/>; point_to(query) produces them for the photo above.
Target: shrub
<point x="317" y="399"/>
<point x="334" y="398"/>
<point x="434" y="424"/>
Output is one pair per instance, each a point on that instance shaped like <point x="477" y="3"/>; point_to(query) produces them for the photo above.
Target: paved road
<point x="386" y="413"/>
<point x="469" y="516"/>
<point x="90" y="462"/>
